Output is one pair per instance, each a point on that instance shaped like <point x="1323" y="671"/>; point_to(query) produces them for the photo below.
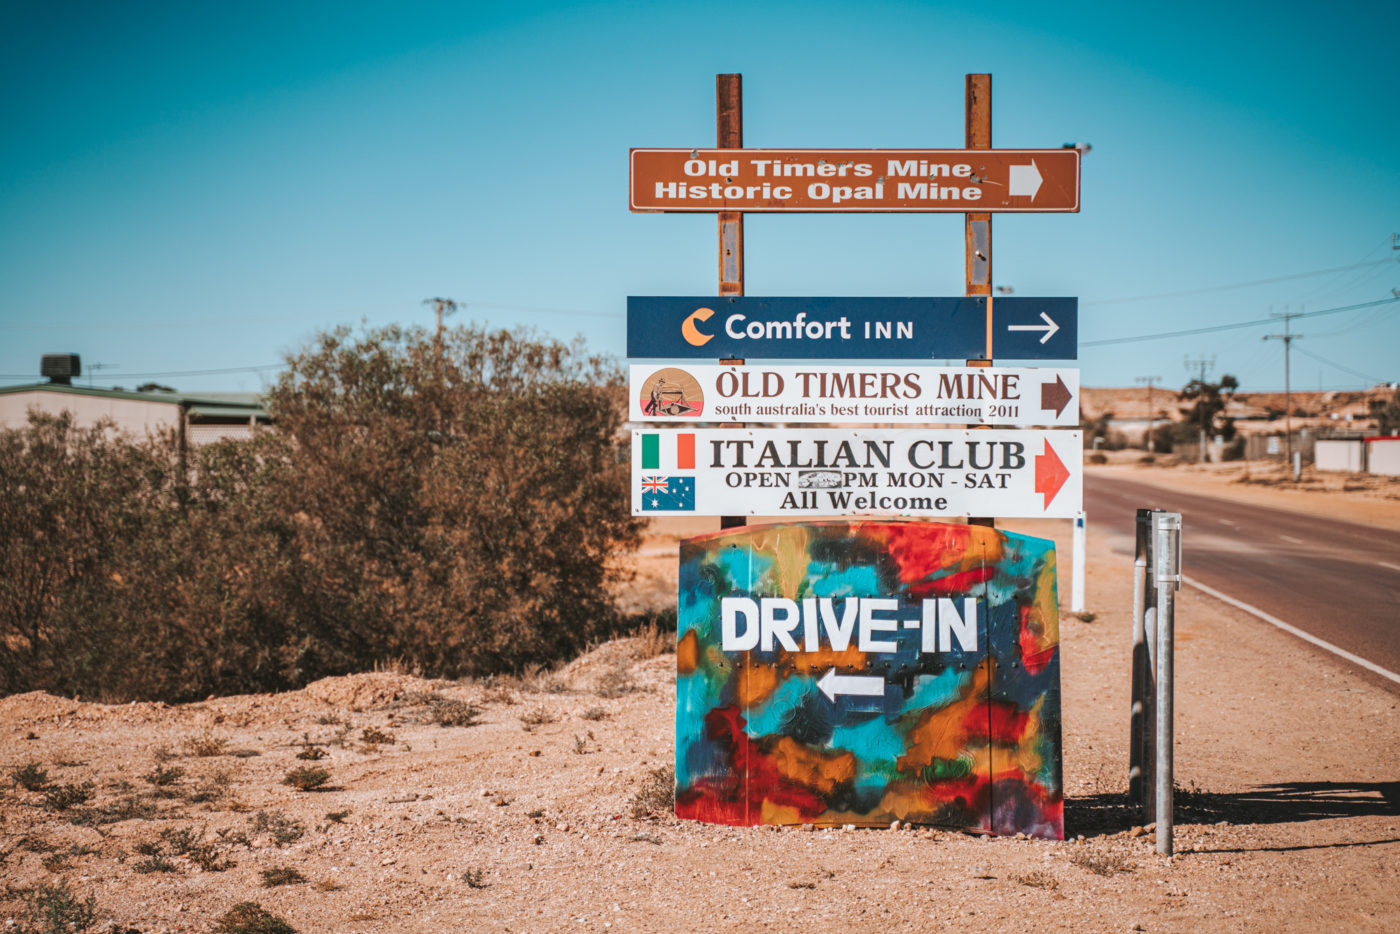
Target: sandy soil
<point x="536" y="817"/>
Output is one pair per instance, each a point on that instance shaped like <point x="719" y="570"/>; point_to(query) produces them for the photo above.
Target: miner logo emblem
<point x="672" y="392"/>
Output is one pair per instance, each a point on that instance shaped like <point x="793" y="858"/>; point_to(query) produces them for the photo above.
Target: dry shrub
<point x="657" y="792"/>
<point x="373" y="737"/>
<point x="251" y="918"/>
<point x="282" y="829"/>
<point x="65" y="796"/>
<point x="30" y="777"/>
<point x="456" y="505"/>
<point x="50" y="908"/>
<point x="448" y="711"/>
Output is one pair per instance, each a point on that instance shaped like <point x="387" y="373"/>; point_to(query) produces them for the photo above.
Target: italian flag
<point x="673" y="450"/>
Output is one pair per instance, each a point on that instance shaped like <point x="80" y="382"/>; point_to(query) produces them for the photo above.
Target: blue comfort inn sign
<point x="851" y="328"/>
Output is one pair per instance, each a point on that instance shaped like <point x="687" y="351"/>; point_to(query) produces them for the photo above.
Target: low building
<point x="198" y="418"/>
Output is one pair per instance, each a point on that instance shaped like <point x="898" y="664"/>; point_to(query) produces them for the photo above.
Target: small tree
<point x="1207" y="402"/>
<point x="456" y="500"/>
<point x="1386" y="412"/>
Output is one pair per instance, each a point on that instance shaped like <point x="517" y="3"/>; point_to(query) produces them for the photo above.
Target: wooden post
<point x="729" y="134"/>
<point x="977" y="102"/>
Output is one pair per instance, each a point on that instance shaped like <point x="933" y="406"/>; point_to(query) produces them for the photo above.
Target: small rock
<point x="562" y="828"/>
<point x="537" y="839"/>
<point x="1136" y="832"/>
<point x="808" y="828"/>
<point x="894" y="825"/>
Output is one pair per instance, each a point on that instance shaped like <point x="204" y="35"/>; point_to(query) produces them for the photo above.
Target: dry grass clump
<point x="447" y="711"/>
<point x="614" y="682"/>
<point x="536" y="717"/>
<point x="654" y="640"/>
<point x="1103" y="864"/>
<point x="497" y="691"/>
<point x="657" y="792"/>
<point x="594" y="713"/>
<point x="30" y="777"/>
<point x="205" y="745"/>
<point x="475" y="878"/>
<point x="307" y="779"/>
<point x="1038" y="879"/>
<point x="281" y="875"/>
<point x="163" y="776"/>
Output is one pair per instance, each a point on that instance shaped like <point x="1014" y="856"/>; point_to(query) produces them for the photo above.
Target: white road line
<point x="1224" y="521"/>
<point x="1290" y="538"/>
<point x="1387" y="564"/>
<point x="1305" y="636"/>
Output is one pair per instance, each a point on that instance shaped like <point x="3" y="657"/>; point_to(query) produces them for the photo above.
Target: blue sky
<point x="196" y="187"/>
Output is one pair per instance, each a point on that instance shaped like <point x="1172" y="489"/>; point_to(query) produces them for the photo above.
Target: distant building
<point x="197" y="418"/>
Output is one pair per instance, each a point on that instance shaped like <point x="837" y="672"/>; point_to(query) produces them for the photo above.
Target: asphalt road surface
<point x="1337" y="580"/>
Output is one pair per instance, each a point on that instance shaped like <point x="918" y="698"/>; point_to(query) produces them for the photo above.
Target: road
<point x="1337" y="580"/>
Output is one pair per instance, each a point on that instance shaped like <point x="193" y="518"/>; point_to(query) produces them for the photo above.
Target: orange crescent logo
<point x="693" y="335"/>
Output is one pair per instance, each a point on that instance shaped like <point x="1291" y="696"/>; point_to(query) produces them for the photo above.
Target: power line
<point x="219" y="372"/>
<point x="1338" y="366"/>
<point x="1232" y="327"/>
<point x="1238" y="285"/>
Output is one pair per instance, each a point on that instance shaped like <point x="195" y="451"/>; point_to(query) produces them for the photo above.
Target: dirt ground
<point x="539" y="816"/>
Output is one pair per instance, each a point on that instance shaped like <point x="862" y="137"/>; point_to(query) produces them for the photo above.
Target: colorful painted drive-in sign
<point x="893" y="394"/>
<point x="840" y="472"/>
<point x="865" y="672"/>
<point x="865" y="328"/>
<point x="854" y="180"/>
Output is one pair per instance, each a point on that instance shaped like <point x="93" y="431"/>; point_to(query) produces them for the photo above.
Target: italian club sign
<point x="834" y="472"/>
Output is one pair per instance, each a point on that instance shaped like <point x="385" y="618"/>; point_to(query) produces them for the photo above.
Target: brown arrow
<point x="1054" y="395"/>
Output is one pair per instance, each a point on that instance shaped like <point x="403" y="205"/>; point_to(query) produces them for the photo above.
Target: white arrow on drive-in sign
<point x="1049" y="327"/>
<point x="1025" y="180"/>
<point x="832" y="684"/>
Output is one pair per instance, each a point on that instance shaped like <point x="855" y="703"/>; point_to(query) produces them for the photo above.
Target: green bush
<point x="453" y="506"/>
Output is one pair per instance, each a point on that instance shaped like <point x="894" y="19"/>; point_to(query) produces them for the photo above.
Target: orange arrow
<point x="1050" y="473"/>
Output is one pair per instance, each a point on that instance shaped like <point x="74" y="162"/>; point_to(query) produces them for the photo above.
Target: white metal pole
<point x="1167" y="541"/>
<point x="1076" y="599"/>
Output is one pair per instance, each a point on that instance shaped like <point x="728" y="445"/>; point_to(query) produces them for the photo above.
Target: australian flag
<point x="662" y="494"/>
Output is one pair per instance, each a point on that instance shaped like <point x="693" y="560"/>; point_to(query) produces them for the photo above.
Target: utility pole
<point x="441" y="305"/>
<point x="1205" y="364"/>
<point x="1149" y="380"/>
<point x="1288" y="338"/>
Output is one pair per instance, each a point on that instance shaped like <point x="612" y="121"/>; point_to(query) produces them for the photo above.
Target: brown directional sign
<point x="855" y="180"/>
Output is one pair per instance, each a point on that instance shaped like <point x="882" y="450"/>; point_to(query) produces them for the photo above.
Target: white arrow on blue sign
<point x="712" y="327"/>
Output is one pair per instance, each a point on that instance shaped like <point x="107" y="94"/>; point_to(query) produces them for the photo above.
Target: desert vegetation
<point x="451" y="506"/>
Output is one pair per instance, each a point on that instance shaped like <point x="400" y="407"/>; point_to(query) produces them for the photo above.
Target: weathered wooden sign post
<point x="861" y="670"/>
